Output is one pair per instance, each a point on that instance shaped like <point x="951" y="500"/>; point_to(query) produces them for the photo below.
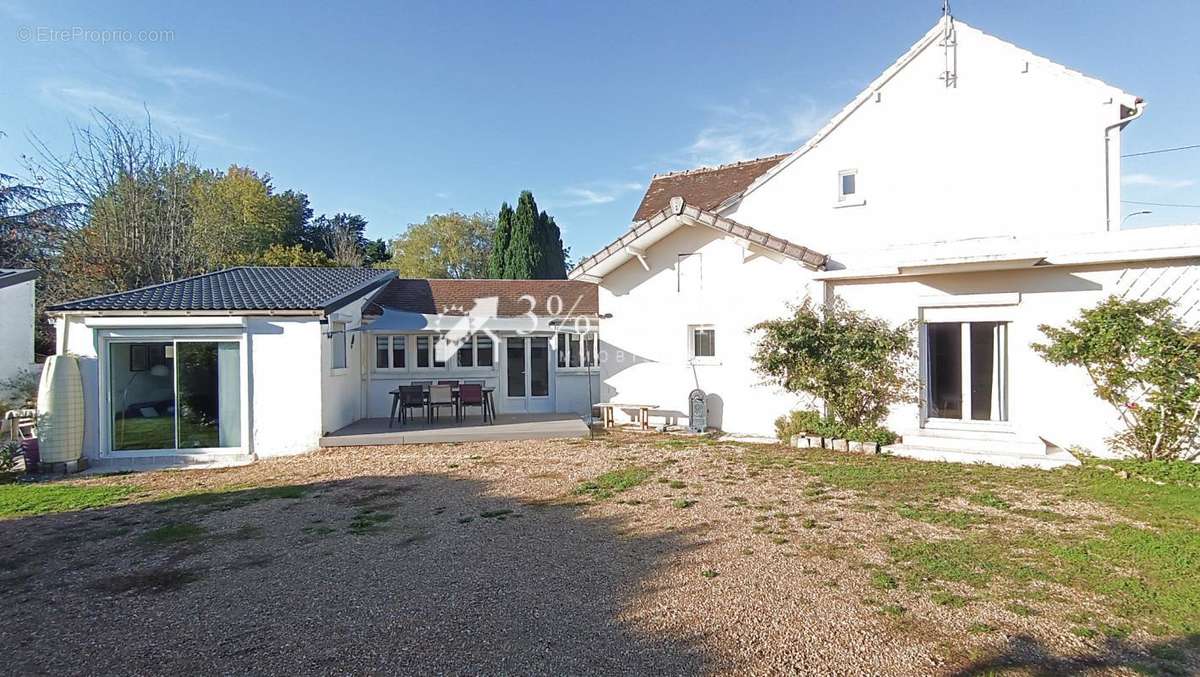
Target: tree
<point x="528" y="243"/>
<point x="340" y="237"/>
<point x="1145" y="364"/>
<point x="450" y="245"/>
<point x="135" y="227"/>
<point x="857" y="365"/>
<point x="376" y="252"/>
<point x="281" y="255"/>
<point x="500" y="241"/>
<point x="237" y="215"/>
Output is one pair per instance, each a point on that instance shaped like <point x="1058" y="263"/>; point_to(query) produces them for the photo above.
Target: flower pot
<point x="815" y="441"/>
<point x="839" y="445"/>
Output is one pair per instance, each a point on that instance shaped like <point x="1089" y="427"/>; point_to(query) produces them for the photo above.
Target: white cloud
<point x="82" y="101"/>
<point x="1152" y="181"/>
<point x="176" y="77"/>
<point x="597" y="193"/>
<point x="737" y="133"/>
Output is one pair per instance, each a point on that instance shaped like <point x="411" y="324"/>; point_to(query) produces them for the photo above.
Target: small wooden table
<point x="606" y="413"/>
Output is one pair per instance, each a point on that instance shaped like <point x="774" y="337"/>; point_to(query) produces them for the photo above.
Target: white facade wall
<point x="286" y="366"/>
<point x="645" y="345"/>
<point x="1016" y="148"/>
<point x="16" y="329"/>
<point x="1045" y="401"/>
<point x="343" y="389"/>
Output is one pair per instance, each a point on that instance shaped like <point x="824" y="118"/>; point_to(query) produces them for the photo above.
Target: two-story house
<point x="972" y="187"/>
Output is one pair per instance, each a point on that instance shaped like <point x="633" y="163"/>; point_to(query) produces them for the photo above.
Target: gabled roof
<point x="704" y="187"/>
<point x="515" y="297"/>
<point x="926" y="40"/>
<point x="11" y="276"/>
<point x="677" y="213"/>
<point x="245" y="289"/>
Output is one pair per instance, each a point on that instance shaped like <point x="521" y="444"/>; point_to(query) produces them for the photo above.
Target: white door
<point x="528" y="381"/>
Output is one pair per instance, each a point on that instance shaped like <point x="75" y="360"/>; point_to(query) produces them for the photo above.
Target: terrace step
<point x="168" y="462"/>
<point x="1009" y="459"/>
<point x="979" y="442"/>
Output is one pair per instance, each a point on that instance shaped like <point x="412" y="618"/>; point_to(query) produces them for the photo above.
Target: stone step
<point x="1056" y="459"/>
<point x="167" y="462"/>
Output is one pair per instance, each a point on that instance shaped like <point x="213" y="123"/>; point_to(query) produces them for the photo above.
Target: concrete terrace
<point x="375" y="431"/>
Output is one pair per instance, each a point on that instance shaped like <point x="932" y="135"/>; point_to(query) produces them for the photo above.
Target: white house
<point x="16" y="321"/>
<point x="972" y="187"/>
<point x="253" y="362"/>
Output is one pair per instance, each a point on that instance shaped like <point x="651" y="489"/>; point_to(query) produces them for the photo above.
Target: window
<point x="704" y="341"/>
<point x="423" y="346"/>
<point x="689" y="277"/>
<point x="483" y="351"/>
<point x="337" y="359"/>
<point x="466" y="353"/>
<point x="847" y="185"/>
<point x="576" y="350"/>
<point x="966" y="370"/>
<point x="390" y="352"/>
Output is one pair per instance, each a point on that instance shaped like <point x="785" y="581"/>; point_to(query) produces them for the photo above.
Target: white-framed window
<point x="485" y="353"/>
<point x="848" y="185"/>
<point x="427" y="353"/>
<point x="576" y="350"/>
<point x="689" y="273"/>
<point x="391" y="352"/>
<point x="702" y="341"/>
<point x="337" y="338"/>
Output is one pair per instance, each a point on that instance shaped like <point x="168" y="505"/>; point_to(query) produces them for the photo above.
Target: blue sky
<point x="398" y="110"/>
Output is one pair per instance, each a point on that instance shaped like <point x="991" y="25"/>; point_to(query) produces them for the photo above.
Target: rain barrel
<point x="60" y="410"/>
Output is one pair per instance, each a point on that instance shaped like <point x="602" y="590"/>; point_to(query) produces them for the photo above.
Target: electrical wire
<point x="1163" y="150"/>
<point x="1161" y="204"/>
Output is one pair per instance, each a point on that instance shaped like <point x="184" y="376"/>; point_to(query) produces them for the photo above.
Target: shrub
<point x="8" y="455"/>
<point x="798" y="422"/>
<point x="857" y="365"/>
<point x="1146" y="364"/>
<point x="808" y="421"/>
<point x="19" y="391"/>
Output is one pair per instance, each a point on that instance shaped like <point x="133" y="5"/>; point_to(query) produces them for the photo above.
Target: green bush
<point x="810" y="422"/>
<point x="799" y="422"/>
<point x="19" y="392"/>
<point x="874" y="433"/>
<point x="1145" y="363"/>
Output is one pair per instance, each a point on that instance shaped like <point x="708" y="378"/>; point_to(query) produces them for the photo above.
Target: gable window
<point x="337" y="357"/>
<point x="847" y="185"/>
<point x="689" y="273"/>
<point x="390" y="352"/>
<point x="703" y="341"/>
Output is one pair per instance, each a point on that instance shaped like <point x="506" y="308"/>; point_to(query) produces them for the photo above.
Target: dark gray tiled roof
<point x="244" y="289"/>
<point x="11" y="276"/>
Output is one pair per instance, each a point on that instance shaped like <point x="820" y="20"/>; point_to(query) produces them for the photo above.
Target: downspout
<point x="1139" y="107"/>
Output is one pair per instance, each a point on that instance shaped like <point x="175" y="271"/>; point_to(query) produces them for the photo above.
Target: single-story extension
<point x="16" y="321"/>
<point x="253" y="361"/>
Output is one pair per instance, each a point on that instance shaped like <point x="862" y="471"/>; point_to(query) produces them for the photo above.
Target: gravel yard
<point x="625" y="554"/>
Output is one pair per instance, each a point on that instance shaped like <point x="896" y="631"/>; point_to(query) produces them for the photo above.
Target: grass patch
<point x="1085" y="632"/>
<point x="980" y="628"/>
<point x="682" y="503"/>
<point x="989" y="500"/>
<point x="369" y="521"/>
<point x="708" y="573"/>
<point x="1021" y="610"/>
<point x="613" y="482"/>
<point x="948" y="599"/>
<point x="25" y="499"/>
<point x="170" y="534"/>
<point x="950" y="518"/>
<point x="152" y="581"/>
<point x="893" y="610"/>
<point x="881" y="580"/>
<point x="677" y="484"/>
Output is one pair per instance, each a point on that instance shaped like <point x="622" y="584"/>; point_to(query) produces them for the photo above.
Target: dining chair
<point x="440" y="396"/>
<point x="411" y="397"/>
<point x="471" y="395"/>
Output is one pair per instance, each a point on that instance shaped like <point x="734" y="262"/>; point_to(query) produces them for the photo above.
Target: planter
<point x="806" y="442"/>
<point x="864" y="447"/>
<point x="839" y="445"/>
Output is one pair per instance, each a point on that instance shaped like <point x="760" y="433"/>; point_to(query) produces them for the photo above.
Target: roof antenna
<point x="949" y="45"/>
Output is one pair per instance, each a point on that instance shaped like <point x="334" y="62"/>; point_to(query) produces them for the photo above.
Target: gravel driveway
<point x="474" y="558"/>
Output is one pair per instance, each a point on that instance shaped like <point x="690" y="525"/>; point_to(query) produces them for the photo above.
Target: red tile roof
<point x="456" y="297"/>
<point x="705" y="187"/>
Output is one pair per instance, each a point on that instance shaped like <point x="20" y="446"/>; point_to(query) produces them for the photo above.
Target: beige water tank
<point x="60" y="410"/>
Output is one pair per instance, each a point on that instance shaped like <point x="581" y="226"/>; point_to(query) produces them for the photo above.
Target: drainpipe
<point x="1139" y="107"/>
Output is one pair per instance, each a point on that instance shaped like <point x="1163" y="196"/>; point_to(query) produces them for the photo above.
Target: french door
<point x="966" y="371"/>
<point x="527" y="381"/>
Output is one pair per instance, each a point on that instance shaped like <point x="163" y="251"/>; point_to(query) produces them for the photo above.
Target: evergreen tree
<point x="523" y="259"/>
<point x="553" y="255"/>
<point x="500" y="240"/>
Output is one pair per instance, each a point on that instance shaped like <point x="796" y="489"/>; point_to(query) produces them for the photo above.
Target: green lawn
<point x="19" y="500"/>
<point x="1143" y="562"/>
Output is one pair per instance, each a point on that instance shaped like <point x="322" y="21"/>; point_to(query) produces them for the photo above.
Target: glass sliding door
<point x="514" y="350"/>
<point x="175" y="395"/>
<point x="966" y="370"/>
<point x="539" y="366"/>
<point x="527" y="374"/>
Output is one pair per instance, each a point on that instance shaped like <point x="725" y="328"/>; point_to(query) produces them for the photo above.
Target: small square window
<point x="704" y="342"/>
<point x="847" y="184"/>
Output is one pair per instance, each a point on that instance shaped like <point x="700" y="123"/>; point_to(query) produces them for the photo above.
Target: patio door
<point x="966" y="371"/>
<point x="527" y="381"/>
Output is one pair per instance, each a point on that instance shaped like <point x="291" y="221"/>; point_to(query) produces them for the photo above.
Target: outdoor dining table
<point x="489" y="402"/>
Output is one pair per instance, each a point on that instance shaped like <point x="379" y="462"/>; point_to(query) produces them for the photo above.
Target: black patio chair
<point x="411" y="397"/>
